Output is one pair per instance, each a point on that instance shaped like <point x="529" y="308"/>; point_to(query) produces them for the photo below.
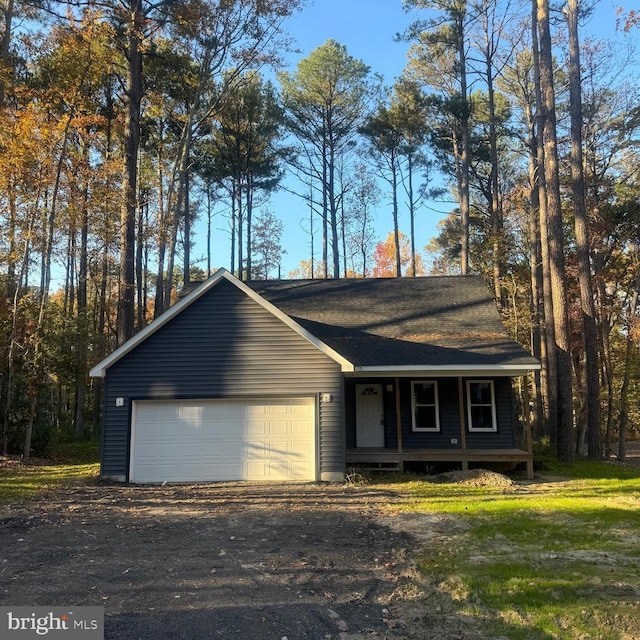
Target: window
<point x="481" y="405"/>
<point x="424" y="405"/>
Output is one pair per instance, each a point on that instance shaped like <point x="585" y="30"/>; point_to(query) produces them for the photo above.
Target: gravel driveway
<point x="230" y="561"/>
<point x="235" y="561"/>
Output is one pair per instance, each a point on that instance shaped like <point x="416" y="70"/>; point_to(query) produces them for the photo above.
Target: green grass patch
<point x="555" y="559"/>
<point x="20" y="482"/>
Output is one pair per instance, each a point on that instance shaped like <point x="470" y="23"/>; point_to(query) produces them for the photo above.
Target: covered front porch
<point x="393" y="422"/>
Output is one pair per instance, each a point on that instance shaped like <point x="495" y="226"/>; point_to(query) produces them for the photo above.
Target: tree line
<point x="125" y="123"/>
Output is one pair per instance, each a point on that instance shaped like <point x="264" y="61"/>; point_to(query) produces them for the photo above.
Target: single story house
<point x="300" y="379"/>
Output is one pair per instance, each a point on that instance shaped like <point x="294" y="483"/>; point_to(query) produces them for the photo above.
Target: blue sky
<point x="367" y="29"/>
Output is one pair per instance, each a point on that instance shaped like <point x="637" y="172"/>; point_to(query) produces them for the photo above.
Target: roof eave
<point x="446" y="371"/>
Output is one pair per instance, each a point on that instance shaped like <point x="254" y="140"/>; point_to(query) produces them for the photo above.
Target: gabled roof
<point x="381" y="324"/>
<point x="100" y="369"/>
<point x="442" y="325"/>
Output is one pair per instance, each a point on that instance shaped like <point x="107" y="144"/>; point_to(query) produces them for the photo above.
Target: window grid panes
<point x="481" y="409"/>
<point x="424" y="400"/>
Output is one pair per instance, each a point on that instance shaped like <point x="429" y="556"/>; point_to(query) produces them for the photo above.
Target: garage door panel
<point x="257" y="469"/>
<point x="300" y="449"/>
<point x="278" y="427"/>
<point x="190" y="415"/>
<point x="297" y="470"/>
<point x="300" y="427"/>
<point x="192" y="441"/>
<point x="256" y="428"/>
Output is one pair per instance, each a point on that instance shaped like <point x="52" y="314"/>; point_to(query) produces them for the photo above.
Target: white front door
<point x="369" y="416"/>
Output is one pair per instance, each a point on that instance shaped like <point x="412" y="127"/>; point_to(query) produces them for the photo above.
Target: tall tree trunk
<point x="333" y="209"/>
<point x="311" y="236"/>
<point x="37" y="373"/>
<point x="623" y="422"/>
<point x="161" y="218"/>
<point x="325" y="214"/>
<point x="234" y="217"/>
<point x="565" y="440"/>
<point x="540" y="389"/>
<point x="51" y="221"/>
<point x="140" y="310"/>
<point x="549" y="349"/>
<point x="69" y="271"/>
<point x="28" y="432"/>
<point x="171" y="260"/>
<point x="126" y="302"/>
<point x="465" y="209"/>
<point x="6" y="372"/>
<point x="83" y="324"/>
<point x="240" y="230"/>
<point x="187" y="227"/>
<point x="343" y="226"/>
<point x="104" y="280"/>
<point x="173" y="221"/>
<point x="8" y="380"/>
<point x="209" y="221"/>
<point x="396" y="226"/>
<point x="145" y="264"/>
<point x="11" y="261"/>
<point x="589" y="327"/>
<point x="343" y="238"/>
<point x="497" y="223"/>
<point x="5" y="46"/>
<point x="412" y="214"/>
<point x="249" y="211"/>
<point x="605" y="359"/>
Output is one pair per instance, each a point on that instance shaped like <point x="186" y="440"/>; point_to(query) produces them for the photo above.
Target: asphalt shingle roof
<point x="435" y="320"/>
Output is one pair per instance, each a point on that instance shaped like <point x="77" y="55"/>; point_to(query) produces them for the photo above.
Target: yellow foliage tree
<point x="384" y="258"/>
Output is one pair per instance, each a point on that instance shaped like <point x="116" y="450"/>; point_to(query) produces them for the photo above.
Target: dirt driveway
<point x="229" y="561"/>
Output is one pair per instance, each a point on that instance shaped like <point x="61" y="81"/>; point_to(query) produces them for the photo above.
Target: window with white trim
<point x="424" y="405"/>
<point x="481" y="405"/>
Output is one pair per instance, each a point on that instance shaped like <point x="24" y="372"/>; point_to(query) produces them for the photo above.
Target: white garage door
<point x="203" y="440"/>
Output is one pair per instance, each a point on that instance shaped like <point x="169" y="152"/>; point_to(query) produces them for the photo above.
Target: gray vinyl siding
<point x="449" y="407"/>
<point x="224" y="345"/>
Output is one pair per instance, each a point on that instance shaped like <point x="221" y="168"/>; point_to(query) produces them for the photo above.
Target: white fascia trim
<point x="447" y="371"/>
<point x="100" y="370"/>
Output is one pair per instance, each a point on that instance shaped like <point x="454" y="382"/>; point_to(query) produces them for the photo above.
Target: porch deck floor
<point x="368" y="455"/>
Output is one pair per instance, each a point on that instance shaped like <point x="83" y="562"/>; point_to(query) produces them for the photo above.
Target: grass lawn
<point x="558" y="558"/>
<point x="20" y="482"/>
